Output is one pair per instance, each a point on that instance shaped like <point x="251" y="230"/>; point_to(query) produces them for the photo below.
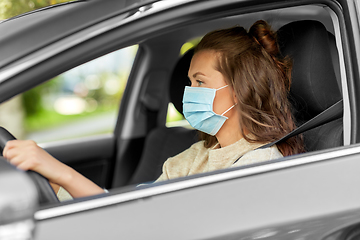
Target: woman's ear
<point x="234" y="96"/>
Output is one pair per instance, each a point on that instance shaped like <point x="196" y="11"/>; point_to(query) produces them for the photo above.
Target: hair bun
<point x="263" y="35"/>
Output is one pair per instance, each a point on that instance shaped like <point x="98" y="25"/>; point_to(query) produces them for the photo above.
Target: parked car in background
<point x="307" y="196"/>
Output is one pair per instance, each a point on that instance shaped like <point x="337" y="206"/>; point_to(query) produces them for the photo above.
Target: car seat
<point x="164" y="142"/>
<point x="315" y="79"/>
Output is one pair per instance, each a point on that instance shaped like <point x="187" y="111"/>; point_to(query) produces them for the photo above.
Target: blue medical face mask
<point x="198" y="109"/>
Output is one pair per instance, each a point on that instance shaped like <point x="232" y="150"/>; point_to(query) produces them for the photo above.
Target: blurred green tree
<point x="10" y="8"/>
<point x="36" y="106"/>
<point x="31" y="100"/>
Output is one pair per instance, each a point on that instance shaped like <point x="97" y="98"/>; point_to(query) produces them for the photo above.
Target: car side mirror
<point x="18" y="203"/>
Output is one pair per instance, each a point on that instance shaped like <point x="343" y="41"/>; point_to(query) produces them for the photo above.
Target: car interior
<point x="142" y="141"/>
<point x="313" y="49"/>
<point x="315" y="86"/>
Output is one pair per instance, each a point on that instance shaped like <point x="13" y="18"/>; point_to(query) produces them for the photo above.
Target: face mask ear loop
<point x="229" y="109"/>
<point x="221" y="87"/>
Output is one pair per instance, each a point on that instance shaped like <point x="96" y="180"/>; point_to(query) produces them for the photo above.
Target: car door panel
<point x="91" y="156"/>
<point x="284" y="199"/>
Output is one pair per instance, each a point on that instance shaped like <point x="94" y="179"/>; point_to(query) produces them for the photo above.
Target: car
<point x="306" y="196"/>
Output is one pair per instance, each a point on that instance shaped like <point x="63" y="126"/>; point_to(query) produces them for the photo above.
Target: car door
<point x="308" y="196"/>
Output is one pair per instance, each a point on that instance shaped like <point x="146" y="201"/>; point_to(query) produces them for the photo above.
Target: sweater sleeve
<point x="163" y="176"/>
<point x="63" y="195"/>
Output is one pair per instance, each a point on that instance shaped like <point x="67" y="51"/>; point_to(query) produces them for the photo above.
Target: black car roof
<point x="44" y="26"/>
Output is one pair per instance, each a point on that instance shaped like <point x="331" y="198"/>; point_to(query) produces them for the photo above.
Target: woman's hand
<point x="27" y="155"/>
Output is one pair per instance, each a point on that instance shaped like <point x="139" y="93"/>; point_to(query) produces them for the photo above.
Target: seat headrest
<point x="314" y="85"/>
<point x="179" y="79"/>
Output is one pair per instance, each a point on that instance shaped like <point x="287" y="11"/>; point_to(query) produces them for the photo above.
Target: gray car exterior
<point x="309" y="196"/>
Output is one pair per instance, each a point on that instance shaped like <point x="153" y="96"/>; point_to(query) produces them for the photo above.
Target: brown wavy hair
<point x="253" y="66"/>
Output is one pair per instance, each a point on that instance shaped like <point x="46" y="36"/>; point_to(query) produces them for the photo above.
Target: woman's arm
<point x="27" y="155"/>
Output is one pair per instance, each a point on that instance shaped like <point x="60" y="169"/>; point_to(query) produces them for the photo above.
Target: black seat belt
<point x="330" y="114"/>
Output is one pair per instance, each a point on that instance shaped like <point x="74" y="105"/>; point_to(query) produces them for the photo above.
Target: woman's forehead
<point x="203" y="62"/>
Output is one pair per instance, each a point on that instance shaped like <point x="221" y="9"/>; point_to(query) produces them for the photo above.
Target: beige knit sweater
<point x="198" y="159"/>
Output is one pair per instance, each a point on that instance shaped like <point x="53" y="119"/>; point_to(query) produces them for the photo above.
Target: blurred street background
<point x="81" y="102"/>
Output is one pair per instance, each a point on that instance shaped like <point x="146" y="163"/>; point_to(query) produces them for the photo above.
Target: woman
<point x="237" y="98"/>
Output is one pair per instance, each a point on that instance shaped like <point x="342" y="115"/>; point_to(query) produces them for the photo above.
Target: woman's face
<point x="202" y="73"/>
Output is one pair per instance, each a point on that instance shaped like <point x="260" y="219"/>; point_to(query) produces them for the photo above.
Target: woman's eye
<point x="199" y="83"/>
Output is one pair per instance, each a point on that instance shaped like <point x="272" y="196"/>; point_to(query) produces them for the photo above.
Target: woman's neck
<point x="228" y="140"/>
<point x="229" y="133"/>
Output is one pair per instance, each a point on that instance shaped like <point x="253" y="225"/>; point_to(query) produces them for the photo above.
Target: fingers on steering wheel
<point x="9" y="145"/>
<point x="15" y="161"/>
<point x="8" y="153"/>
<point x="12" y="155"/>
<point x="25" y="166"/>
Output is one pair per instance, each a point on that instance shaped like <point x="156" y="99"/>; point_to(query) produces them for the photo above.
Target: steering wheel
<point x="46" y="192"/>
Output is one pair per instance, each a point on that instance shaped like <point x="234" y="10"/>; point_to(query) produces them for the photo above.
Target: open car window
<point x="81" y="102"/>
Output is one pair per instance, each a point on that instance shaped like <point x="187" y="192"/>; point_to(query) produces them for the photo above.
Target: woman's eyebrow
<point x="198" y="73"/>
